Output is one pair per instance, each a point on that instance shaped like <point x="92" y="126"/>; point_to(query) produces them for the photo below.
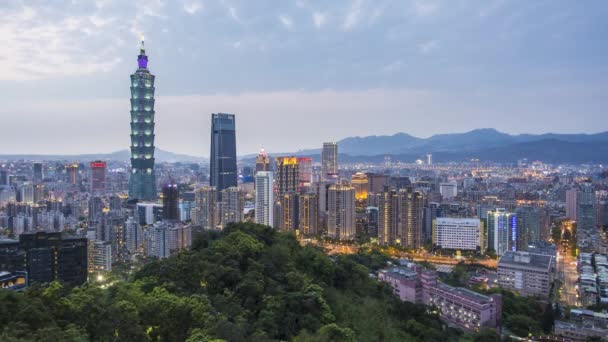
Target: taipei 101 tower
<point x="142" y="184"/>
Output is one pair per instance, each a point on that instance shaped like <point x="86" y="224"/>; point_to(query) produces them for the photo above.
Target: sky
<point x="298" y="72"/>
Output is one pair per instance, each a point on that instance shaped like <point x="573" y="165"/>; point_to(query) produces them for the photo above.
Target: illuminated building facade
<point x="262" y="162"/>
<point x="359" y="182"/>
<point x="308" y="221"/>
<point x="288" y="174"/>
<point x="98" y="175"/>
<point x="142" y="182"/>
<point x="305" y="170"/>
<point x="341" y="212"/>
<point x="171" y="202"/>
<point x="223" y="172"/>
<point x="502" y="231"/>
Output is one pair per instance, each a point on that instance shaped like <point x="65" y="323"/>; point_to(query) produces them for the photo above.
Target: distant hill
<point x="122" y="155"/>
<point x="474" y="140"/>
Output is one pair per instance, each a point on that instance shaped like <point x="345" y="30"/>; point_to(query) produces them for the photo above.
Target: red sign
<point x="98" y="164"/>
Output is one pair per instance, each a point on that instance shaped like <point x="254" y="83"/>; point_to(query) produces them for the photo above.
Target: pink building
<point x="457" y="306"/>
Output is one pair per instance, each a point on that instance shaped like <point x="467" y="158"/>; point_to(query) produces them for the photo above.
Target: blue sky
<point x="298" y="73"/>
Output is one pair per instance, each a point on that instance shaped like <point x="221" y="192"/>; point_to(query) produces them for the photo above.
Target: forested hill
<point x="248" y="283"/>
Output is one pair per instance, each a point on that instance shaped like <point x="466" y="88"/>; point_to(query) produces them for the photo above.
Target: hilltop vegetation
<point x="247" y="283"/>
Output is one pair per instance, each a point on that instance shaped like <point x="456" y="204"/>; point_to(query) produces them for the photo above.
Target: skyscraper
<point x="308" y="221"/>
<point x="205" y="207"/>
<point x="288" y="174"/>
<point x="400" y="217"/>
<point x="171" y="202"/>
<point x="264" y="198"/>
<point x="341" y="212"/>
<point x="72" y="173"/>
<point x="142" y="184"/>
<point x="305" y="170"/>
<point x="37" y="178"/>
<point x="329" y="160"/>
<point x="262" y="162"/>
<point x="223" y="172"/>
<point x="502" y="231"/>
<point x="98" y="175"/>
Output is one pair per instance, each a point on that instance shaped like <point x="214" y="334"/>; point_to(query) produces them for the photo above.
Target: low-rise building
<point x="526" y="273"/>
<point x="457" y="306"/>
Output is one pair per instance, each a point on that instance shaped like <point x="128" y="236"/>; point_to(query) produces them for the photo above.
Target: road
<point x="567" y="273"/>
<point x="334" y="248"/>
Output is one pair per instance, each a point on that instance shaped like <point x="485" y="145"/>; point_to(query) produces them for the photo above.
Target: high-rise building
<point x="288" y="174"/>
<point x="341" y="212"/>
<point x="47" y="257"/>
<point x="529" y="223"/>
<point x="171" y="202"/>
<point x="134" y="238"/>
<point x="95" y="208"/>
<point x="100" y="256"/>
<point x="359" y="182"/>
<point x="329" y="160"/>
<point x="308" y="214"/>
<point x="158" y="241"/>
<point x="142" y="184"/>
<point x="27" y="193"/>
<point x="3" y="177"/>
<point x="262" y="162"/>
<point x="400" y="218"/>
<point x="376" y="182"/>
<point x="527" y="273"/>
<point x="502" y="231"/>
<point x="305" y="170"/>
<point x="571" y="199"/>
<point x="206" y="214"/>
<point x="288" y="221"/>
<point x="232" y="207"/>
<point x="458" y="234"/>
<point x="72" y="173"/>
<point x="429" y="159"/>
<point x="264" y="198"/>
<point x="223" y="172"/>
<point x="37" y="177"/>
<point x="448" y="190"/>
<point x="98" y="175"/>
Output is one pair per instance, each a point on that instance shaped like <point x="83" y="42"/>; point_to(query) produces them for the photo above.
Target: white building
<point x="527" y="273"/>
<point x="264" y="198"/>
<point x="448" y="190"/>
<point x="157" y="241"/>
<point x="134" y="236"/>
<point x="458" y="233"/>
<point x="100" y="256"/>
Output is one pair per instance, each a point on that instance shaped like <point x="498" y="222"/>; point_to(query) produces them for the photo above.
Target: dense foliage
<point x="247" y="283"/>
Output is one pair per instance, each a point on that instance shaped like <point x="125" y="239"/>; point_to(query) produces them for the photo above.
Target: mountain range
<point x="485" y="144"/>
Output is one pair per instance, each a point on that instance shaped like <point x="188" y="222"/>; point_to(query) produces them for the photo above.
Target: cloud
<point x="286" y="21"/>
<point x="39" y="43"/>
<point x="427" y="47"/>
<point x="236" y="44"/>
<point x="192" y="7"/>
<point x="353" y="15"/>
<point x="425" y="8"/>
<point x="319" y="19"/>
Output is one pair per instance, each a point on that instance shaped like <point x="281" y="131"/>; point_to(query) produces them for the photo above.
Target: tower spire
<point x="143" y="48"/>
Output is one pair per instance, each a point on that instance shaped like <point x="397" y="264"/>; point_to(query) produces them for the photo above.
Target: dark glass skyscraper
<point x="142" y="184"/>
<point x="223" y="151"/>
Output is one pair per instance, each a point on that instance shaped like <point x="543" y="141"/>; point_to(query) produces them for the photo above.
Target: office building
<point x="526" y="273"/>
<point x="47" y="257"/>
<point x="308" y="214"/>
<point x="376" y="182"/>
<point x="502" y="231"/>
<point x="341" y="212"/>
<point x="223" y="171"/>
<point x="206" y="214"/>
<point x="149" y="213"/>
<point x="171" y="202"/>
<point x="287" y="175"/>
<point x="264" y="198"/>
<point x="530" y="226"/>
<point x="142" y="182"/>
<point x="458" y="234"/>
<point x="232" y="206"/>
<point x="329" y="160"/>
<point x="37" y="172"/>
<point x="98" y="176"/>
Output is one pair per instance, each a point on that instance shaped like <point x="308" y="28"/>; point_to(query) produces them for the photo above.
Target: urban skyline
<point x="501" y="55"/>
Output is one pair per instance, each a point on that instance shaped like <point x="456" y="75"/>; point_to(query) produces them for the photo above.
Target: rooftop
<point x="526" y="259"/>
